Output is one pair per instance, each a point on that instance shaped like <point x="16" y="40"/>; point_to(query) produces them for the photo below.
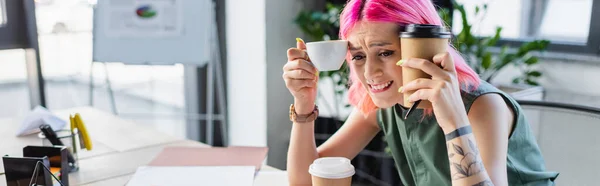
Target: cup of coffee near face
<point x="421" y="41"/>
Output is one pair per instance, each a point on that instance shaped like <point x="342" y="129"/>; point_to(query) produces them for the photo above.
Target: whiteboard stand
<point x="198" y="45"/>
<point x="215" y="72"/>
<point x="111" y="95"/>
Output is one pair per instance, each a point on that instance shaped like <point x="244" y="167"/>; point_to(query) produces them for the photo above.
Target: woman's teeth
<point x="381" y="86"/>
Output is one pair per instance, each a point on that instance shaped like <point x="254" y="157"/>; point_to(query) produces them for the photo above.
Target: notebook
<point x="215" y="156"/>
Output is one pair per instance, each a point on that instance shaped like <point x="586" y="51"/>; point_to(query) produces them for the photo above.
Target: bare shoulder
<point x="491" y="111"/>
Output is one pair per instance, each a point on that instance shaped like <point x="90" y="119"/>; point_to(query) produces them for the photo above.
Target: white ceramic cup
<point x="331" y="171"/>
<point x="327" y="55"/>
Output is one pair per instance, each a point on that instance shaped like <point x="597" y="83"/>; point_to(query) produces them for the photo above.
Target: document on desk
<point x="38" y="116"/>
<point x="215" y="156"/>
<point x="193" y="175"/>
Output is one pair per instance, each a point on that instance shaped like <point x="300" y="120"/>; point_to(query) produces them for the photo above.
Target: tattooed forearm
<point x="484" y="183"/>
<point x="464" y="162"/>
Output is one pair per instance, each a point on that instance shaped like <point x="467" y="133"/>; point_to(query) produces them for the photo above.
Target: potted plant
<point x="479" y="53"/>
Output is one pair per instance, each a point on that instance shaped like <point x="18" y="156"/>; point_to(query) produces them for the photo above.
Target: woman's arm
<point x="347" y="142"/>
<point x="490" y="120"/>
<point x="480" y="158"/>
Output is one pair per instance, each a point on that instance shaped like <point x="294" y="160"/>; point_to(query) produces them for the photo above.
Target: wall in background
<point x="570" y="78"/>
<point x="246" y="72"/>
<point x="258" y="36"/>
<point x="281" y="34"/>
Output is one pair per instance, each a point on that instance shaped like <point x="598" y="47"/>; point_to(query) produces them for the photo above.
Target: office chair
<point x="568" y="136"/>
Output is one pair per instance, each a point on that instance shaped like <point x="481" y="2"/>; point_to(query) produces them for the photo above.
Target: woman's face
<point x="375" y="49"/>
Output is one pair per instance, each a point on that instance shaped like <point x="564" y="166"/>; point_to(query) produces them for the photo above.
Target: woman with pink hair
<point x="474" y="135"/>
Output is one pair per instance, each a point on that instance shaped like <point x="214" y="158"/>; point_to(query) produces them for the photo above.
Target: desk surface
<point x="120" y="146"/>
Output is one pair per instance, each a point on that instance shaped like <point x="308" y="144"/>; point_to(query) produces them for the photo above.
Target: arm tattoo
<point x="469" y="164"/>
<point x="484" y="183"/>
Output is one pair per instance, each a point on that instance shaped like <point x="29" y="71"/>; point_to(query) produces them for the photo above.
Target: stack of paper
<point x="193" y="175"/>
<point x="175" y="166"/>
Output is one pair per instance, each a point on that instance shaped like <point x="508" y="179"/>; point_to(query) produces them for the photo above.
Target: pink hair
<point x="401" y="12"/>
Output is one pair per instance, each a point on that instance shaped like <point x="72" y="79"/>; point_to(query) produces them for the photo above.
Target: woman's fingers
<point x="421" y="83"/>
<point x="300" y="44"/>
<point x="422" y="94"/>
<point x="299" y="52"/>
<point x="445" y="61"/>
<point x="295" y="53"/>
<point x="426" y="66"/>
<point x="298" y="74"/>
<point x="300" y="64"/>
<point x="297" y="84"/>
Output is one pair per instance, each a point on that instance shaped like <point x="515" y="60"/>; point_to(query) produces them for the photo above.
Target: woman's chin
<point x="383" y="104"/>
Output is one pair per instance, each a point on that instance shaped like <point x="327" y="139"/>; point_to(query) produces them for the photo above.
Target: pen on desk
<point x="50" y="135"/>
<point x="53" y="138"/>
<point x="412" y="108"/>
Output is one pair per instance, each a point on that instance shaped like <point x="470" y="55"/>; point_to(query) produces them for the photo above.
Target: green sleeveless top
<point x="419" y="150"/>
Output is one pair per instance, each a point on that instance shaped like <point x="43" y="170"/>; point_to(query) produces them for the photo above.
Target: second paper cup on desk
<point x="327" y="55"/>
<point x="331" y="171"/>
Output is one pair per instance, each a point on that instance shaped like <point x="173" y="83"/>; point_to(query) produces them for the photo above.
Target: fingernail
<point x="399" y="63"/>
<point x="299" y="40"/>
<point x="400" y="90"/>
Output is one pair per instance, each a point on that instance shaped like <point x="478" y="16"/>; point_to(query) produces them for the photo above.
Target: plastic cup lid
<point x="332" y="168"/>
<point x="425" y="31"/>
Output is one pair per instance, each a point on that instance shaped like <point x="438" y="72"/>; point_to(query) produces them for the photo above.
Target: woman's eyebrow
<point x="379" y="44"/>
<point x="355" y="48"/>
<point x="373" y="44"/>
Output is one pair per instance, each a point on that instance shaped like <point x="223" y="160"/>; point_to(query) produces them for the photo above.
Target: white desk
<point x="120" y="146"/>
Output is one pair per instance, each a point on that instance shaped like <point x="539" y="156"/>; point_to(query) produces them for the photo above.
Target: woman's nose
<point x="373" y="69"/>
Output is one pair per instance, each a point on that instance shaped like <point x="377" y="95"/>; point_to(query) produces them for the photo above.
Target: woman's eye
<point x="386" y="53"/>
<point x="357" y="57"/>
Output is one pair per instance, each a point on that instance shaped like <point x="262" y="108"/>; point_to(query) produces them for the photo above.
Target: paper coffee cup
<point x="421" y="41"/>
<point x="331" y="171"/>
<point x="327" y="55"/>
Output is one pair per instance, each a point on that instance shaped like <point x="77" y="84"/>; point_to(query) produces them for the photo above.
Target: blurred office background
<point x="253" y="38"/>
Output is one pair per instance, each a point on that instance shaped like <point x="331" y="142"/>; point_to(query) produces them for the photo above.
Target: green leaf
<point x="531" y="60"/>
<point x="496" y="37"/>
<point x="537" y="45"/>
<point x="476" y="10"/>
<point x="534" y="73"/>
<point x="508" y="58"/>
<point x="516" y="80"/>
<point x="531" y="82"/>
<point x="487" y="60"/>
<point x="445" y="15"/>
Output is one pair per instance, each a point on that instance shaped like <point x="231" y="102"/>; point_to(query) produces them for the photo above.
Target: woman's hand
<point x="301" y="78"/>
<point x="442" y="90"/>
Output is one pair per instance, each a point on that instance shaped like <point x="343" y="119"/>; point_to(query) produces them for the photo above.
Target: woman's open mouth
<point x="377" y="88"/>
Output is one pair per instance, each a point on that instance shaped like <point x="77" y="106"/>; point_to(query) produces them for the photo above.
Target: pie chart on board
<point x="145" y="11"/>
